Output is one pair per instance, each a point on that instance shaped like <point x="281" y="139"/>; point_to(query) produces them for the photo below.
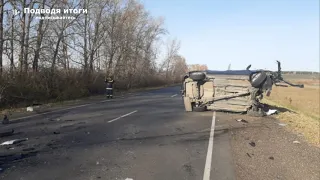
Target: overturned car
<point x="231" y="90"/>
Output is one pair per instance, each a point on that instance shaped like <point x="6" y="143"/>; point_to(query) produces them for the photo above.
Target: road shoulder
<point x="264" y="149"/>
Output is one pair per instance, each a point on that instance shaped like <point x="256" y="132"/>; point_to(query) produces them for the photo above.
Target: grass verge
<point x="303" y="114"/>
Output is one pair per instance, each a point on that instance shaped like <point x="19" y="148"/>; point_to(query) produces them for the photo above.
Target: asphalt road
<point x="141" y="137"/>
<point x="149" y="136"/>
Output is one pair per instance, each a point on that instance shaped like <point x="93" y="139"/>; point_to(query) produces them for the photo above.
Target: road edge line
<point x="207" y="168"/>
<point x="54" y="111"/>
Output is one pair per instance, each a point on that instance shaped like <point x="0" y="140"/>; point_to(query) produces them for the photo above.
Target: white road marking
<point x="174" y="95"/>
<point x="50" y="112"/>
<point x="207" y="168"/>
<point x="122" y="116"/>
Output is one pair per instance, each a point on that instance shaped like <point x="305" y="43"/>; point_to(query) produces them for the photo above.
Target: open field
<point x="303" y="109"/>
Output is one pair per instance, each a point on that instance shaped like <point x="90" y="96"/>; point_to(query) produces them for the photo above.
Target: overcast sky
<point x="243" y="32"/>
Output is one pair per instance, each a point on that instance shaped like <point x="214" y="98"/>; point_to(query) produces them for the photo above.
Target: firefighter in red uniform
<point x="109" y="87"/>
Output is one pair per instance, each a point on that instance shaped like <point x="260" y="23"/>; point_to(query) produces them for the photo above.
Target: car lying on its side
<point x="231" y="90"/>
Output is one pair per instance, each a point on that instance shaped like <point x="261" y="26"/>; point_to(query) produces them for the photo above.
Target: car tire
<point x="199" y="109"/>
<point x="257" y="79"/>
<point x="197" y="76"/>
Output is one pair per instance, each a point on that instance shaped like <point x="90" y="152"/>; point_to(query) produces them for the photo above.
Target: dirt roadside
<point x="264" y="149"/>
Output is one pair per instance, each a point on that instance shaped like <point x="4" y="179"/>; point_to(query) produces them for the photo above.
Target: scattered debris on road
<point x="281" y="124"/>
<point x="242" y="120"/>
<point x="56" y="132"/>
<point x="29" y="109"/>
<point x="253" y="144"/>
<point x="15" y="141"/>
<point x="57" y="119"/>
<point x="296" y="142"/>
<point x="248" y="155"/>
<point x="271" y="111"/>
<point x="272" y="158"/>
<point x="6" y="133"/>
<point x="28" y="149"/>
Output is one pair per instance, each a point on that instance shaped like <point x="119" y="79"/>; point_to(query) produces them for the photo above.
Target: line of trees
<point x="299" y="72"/>
<point x="62" y="59"/>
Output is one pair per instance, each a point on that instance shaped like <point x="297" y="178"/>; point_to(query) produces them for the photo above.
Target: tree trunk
<point x="85" y="53"/>
<point x="56" y="53"/>
<point x="22" y="37"/>
<point x="1" y="34"/>
<point x="35" y="65"/>
<point x="11" y="46"/>
<point x="27" y="45"/>
<point x="95" y="39"/>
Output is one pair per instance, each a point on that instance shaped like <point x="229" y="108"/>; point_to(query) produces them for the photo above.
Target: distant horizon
<point x="260" y="68"/>
<point x="284" y="71"/>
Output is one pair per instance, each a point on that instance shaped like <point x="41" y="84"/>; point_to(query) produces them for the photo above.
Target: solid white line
<point x="122" y="116"/>
<point x="35" y="115"/>
<point x="50" y="112"/>
<point x="207" y="168"/>
<point x="174" y="95"/>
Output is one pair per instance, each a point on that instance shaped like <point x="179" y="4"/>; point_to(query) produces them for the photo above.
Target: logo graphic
<point x="15" y="12"/>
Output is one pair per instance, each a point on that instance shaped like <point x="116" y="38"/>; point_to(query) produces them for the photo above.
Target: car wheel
<point x="199" y="108"/>
<point x="257" y="79"/>
<point x="197" y="76"/>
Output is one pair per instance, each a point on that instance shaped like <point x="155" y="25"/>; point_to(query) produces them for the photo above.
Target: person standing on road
<point x="109" y="87"/>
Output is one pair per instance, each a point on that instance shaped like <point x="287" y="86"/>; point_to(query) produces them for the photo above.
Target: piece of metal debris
<point x="271" y="111"/>
<point x="248" y="155"/>
<point x="15" y="141"/>
<point x="128" y="179"/>
<point x="253" y="144"/>
<point x="28" y="149"/>
<point x="272" y="158"/>
<point x="242" y="120"/>
<point x="282" y="124"/>
<point x="30" y="108"/>
<point x="296" y="142"/>
<point x="56" y="132"/>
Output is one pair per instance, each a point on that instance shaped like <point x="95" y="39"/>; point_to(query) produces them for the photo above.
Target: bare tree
<point x="115" y="37"/>
<point x="40" y="34"/>
<point x="1" y="33"/>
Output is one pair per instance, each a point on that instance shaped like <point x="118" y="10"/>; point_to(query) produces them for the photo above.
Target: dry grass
<point x="304" y="103"/>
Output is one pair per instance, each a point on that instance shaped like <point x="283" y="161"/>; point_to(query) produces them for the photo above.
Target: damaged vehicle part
<point x="231" y="90"/>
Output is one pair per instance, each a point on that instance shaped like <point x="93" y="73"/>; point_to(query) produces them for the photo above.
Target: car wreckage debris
<point x="253" y="144"/>
<point x="237" y="91"/>
<point x="15" y="141"/>
<point x="242" y="120"/>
